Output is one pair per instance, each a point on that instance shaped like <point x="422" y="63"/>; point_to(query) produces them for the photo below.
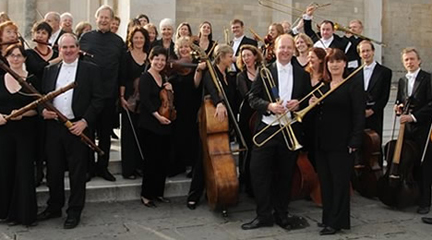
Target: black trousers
<point x="334" y="172"/>
<point x="197" y="185"/>
<point x="156" y="158"/>
<point x="271" y="170"/>
<point x="17" y="187"/>
<point x="65" y="150"/>
<point x="104" y="126"/>
<point x="130" y="155"/>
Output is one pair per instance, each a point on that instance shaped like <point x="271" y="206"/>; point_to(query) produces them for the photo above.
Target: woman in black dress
<point x="205" y="38"/>
<point x="42" y="54"/>
<point x="8" y="36"/>
<point x="155" y="129"/>
<point x="136" y="64"/>
<point x="339" y="127"/>
<point x="303" y="44"/>
<point x="187" y="101"/>
<point x="223" y="60"/>
<point x="166" y="27"/>
<point x="248" y="64"/>
<point x="17" y="146"/>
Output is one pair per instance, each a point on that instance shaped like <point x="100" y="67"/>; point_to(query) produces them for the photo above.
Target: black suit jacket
<point x="87" y="99"/>
<point x="377" y="96"/>
<point x="420" y="102"/>
<point x="259" y="100"/>
<point x="337" y="42"/>
<point x="340" y="117"/>
<point x="55" y="44"/>
<point x="352" y="53"/>
<point x="244" y="41"/>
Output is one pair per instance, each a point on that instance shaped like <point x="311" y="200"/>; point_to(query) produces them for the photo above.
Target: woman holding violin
<point x="17" y="146"/>
<point x="274" y="31"/>
<point x="222" y="61"/>
<point x="205" y="38"/>
<point x="248" y="63"/>
<point x="339" y="128"/>
<point x="186" y="85"/>
<point x="154" y="129"/>
<point x="42" y="54"/>
<point x="136" y="63"/>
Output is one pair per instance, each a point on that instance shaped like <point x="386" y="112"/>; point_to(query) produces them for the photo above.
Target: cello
<point x="367" y="170"/>
<point x="397" y="188"/>
<point x="219" y="165"/>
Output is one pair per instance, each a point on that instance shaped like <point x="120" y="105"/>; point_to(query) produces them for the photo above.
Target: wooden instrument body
<point x="167" y="108"/>
<point x="367" y="170"/>
<point x="219" y="166"/>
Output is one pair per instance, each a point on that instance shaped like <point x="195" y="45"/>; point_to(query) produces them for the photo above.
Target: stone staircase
<point x="99" y="190"/>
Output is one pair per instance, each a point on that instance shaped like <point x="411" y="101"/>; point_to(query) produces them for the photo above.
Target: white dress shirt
<point x="411" y="80"/>
<point x="285" y="88"/>
<point x="236" y="45"/>
<point x="63" y="102"/>
<point x="367" y="73"/>
<point x="53" y="37"/>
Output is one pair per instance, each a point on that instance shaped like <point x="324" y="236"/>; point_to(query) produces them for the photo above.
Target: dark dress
<point x="35" y="64"/>
<point x="155" y="139"/>
<point x="130" y="155"/>
<point x="17" y="151"/>
<point x="187" y="100"/>
<point x="210" y="49"/>
<point x="170" y="50"/>
<point x="339" y="125"/>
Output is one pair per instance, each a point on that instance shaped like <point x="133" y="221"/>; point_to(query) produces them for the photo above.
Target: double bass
<point x="397" y="188"/>
<point x="219" y="165"/>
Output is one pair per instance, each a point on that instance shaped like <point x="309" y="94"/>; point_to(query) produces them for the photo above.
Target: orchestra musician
<point x="415" y="88"/>
<point x="251" y="59"/>
<point x="82" y="27"/>
<point x="64" y="149"/>
<point x="53" y="19"/>
<point x="136" y="64"/>
<point x="377" y="81"/>
<point x="339" y="127"/>
<point x="222" y="61"/>
<point x="303" y="44"/>
<point x="205" y="38"/>
<point x="326" y="37"/>
<point x="153" y="33"/>
<point x="166" y="27"/>
<point x="183" y="30"/>
<point x="274" y="31"/>
<point x="18" y="146"/>
<point x="237" y="28"/>
<point x="8" y="36"/>
<point x="154" y="129"/>
<point x="354" y="58"/>
<point x="66" y="22"/>
<point x="273" y="163"/>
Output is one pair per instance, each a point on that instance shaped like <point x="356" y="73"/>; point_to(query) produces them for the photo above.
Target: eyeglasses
<point x="18" y="56"/>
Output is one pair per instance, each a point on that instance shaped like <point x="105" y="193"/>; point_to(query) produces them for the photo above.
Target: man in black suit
<point x="272" y="164"/>
<point x="354" y="59"/>
<point x="326" y="37"/>
<point x="53" y="19"/>
<point x="416" y="89"/>
<point x="237" y="28"/>
<point x="377" y="81"/>
<point x="63" y="146"/>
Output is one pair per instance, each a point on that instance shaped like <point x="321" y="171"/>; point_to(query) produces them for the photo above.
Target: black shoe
<point x="423" y="210"/>
<point x="256" y="223"/>
<point x="297" y="222"/>
<point x="71" y="222"/>
<point x="105" y="174"/>
<point x="427" y="220"/>
<point x="149" y="204"/>
<point x="321" y="225"/>
<point x="163" y="200"/>
<point x="139" y="173"/>
<point x="191" y="205"/>
<point x="89" y="177"/>
<point x="45" y="215"/>
<point x="282" y="221"/>
<point x="328" y="231"/>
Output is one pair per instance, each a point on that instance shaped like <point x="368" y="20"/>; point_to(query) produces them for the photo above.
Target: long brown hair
<point x="321" y="54"/>
<point x="255" y="52"/>
<point x="333" y="54"/>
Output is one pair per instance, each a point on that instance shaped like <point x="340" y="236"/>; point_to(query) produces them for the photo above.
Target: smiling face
<point x="284" y="49"/>
<point x="366" y="52"/>
<point x="68" y="48"/>
<point x="138" y="40"/>
<point x="314" y="61"/>
<point x="158" y="62"/>
<point x="237" y="30"/>
<point x="301" y="45"/>
<point x="248" y="58"/>
<point x="167" y="32"/>
<point x="411" y="61"/>
<point x="184" y="31"/>
<point x="326" y="30"/>
<point x="205" y="29"/>
<point x="103" y="20"/>
<point x="66" y="23"/>
<point x="336" y="67"/>
<point x="9" y="34"/>
<point x="16" y="59"/>
<point x="114" y="26"/>
<point x="184" y="50"/>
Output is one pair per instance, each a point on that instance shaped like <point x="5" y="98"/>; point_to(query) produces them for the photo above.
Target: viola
<point x="183" y="66"/>
<point x="133" y="100"/>
<point x="269" y="48"/>
<point x="167" y="108"/>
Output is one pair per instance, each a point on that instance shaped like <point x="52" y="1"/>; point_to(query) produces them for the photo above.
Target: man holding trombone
<point x="274" y="94"/>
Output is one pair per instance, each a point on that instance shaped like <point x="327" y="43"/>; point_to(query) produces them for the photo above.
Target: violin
<point x="167" y="108"/>
<point x="183" y="66"/>
<point x="269" y="54"/>
<point x="133" y="100"/>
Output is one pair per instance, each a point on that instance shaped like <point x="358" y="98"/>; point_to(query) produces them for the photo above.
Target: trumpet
<point x="288" y="135"/>
<point x="339" y="27"/>
<point x="299" y="115"/>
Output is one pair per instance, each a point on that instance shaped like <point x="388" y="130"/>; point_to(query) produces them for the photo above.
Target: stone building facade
<point x="397" y="23"/>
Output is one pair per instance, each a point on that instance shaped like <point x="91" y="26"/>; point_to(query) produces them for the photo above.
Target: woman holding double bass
<point x="216" y="103"/>
<point x="339" y="127"/>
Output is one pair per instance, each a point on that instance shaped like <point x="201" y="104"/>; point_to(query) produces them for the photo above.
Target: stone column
<point x="29" y="18"/>
<point x="373" y="24"/>
<point x="4" y="6"/>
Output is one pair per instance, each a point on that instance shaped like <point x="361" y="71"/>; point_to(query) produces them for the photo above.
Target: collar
<point x="239" y="38"/>
<point x="413" y="75"/>
<point x="371" y="66"/>
<point x="281" y="67"/>
<point x="328" y="40"/>
<point x="72" y="64"/>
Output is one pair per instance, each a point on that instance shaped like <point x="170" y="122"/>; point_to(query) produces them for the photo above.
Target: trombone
<point x="288" y="135"/>
<point x="339" y="27"/>
<point x="299" y="115"/>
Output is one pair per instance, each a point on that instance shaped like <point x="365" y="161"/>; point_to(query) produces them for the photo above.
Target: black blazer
<point x="88" y="98"/>
<point x="244" y="41"/>
<point x="421" y="98"/>
<point x="341" y="116"/>
<point x="55" y="44"/>
<point x="337" y="42"/>
<point x="352" y="54"/>
<point x="258" y="98"/>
